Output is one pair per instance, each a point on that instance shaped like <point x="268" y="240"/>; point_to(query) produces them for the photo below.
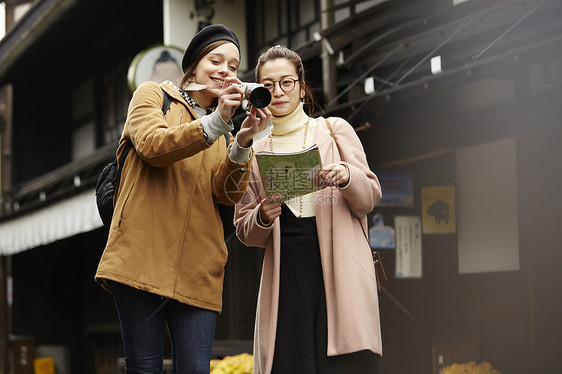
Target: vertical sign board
<point x="408" y="247"/>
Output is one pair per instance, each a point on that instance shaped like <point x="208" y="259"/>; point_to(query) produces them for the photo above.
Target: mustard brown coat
<point x="166" y="236"/>
<point x="347" y="264"/>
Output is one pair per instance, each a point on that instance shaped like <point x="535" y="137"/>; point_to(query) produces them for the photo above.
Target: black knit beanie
<point x="207" y="35"/>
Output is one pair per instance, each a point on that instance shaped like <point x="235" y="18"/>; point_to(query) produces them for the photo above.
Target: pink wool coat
<point x="349" y="274"/>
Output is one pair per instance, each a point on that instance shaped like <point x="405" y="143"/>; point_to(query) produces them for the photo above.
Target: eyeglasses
<point x="286" y="84"/>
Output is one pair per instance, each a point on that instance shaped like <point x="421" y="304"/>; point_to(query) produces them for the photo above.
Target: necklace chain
<point x="303" y="147"/>
<point x="303" y="144"/>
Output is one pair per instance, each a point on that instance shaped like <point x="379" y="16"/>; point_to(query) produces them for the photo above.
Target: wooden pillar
<point x="329" y="69"/>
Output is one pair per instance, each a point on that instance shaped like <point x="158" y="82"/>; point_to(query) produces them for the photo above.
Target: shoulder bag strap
<point x="379" y="269"/>
<point x="331" y="132"/>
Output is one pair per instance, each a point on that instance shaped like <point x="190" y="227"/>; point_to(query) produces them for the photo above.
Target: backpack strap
<point x="167" y="100"/>
<point x="120" y="164"/>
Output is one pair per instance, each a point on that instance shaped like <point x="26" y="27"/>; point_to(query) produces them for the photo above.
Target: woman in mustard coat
<point x="165" y="256"/>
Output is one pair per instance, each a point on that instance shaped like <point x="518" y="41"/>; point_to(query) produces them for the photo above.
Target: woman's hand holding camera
<point x="255" y="122"/>
<point x="230" y="98"/>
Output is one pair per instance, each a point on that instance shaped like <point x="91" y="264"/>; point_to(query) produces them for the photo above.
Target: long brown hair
<point x="279" y="51"/>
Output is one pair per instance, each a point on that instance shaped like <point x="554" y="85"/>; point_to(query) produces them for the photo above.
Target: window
<point x="286" y="22"/>
<point x="115" y="98"/>
<point x="83" y="124"/>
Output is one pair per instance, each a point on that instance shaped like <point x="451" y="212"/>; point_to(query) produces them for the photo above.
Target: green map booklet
<point x="290" y="174"/>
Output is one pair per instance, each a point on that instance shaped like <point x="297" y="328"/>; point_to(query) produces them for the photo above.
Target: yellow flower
<point x="239" y="364"/>
<point x="470" y="368"/>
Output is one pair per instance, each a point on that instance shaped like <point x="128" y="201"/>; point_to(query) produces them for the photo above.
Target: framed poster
<point x="438" y="210"/>
<point x="380" y="236"/>
<point x="408" y="246"/>
<point x="397" y="189"/>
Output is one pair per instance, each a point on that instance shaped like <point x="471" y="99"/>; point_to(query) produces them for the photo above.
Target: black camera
<point x="255" y="94"/>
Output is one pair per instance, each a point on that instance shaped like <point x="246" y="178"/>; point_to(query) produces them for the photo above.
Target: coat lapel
<point x="177" y="96"/>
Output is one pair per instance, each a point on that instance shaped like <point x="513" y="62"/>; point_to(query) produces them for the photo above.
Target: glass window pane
<point x="341" y="14"/>
<point x="83" y="100"/>
<point x="315" y="27"/>
<point x="271" y="27"/>
<point x="298" y="38"/>
<point x="367" y="4"/>
<point x="283" y="17"/>
<point x="307" y="12"/>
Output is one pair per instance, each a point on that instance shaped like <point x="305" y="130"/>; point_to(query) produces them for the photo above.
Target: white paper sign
<point x="408" y="246"/>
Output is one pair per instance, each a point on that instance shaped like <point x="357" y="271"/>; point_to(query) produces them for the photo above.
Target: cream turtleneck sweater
<point x="288" y="135"/>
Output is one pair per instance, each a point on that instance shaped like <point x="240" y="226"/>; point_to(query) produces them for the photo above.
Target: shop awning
<point x="72" y="216"/>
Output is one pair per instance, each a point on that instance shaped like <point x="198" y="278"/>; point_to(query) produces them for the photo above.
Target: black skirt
<point x="302" y="333"/>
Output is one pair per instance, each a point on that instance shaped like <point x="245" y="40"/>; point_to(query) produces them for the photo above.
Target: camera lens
<point x="260" y="97"/>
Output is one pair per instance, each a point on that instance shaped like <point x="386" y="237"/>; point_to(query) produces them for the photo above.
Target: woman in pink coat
<point x="318" y="304"/>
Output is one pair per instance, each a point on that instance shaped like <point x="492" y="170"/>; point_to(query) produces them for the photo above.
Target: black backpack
<point x="109" y="178"/>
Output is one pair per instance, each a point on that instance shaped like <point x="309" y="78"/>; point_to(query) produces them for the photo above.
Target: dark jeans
<point x="143" y="317"/>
